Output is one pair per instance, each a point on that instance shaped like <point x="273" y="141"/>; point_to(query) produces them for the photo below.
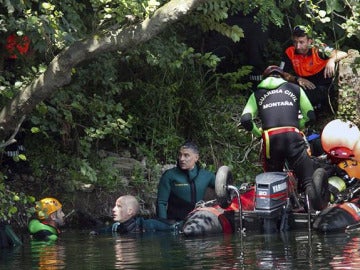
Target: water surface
<point x="294" y="250"/>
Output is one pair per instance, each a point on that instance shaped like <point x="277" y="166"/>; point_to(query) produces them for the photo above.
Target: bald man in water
<point x="127" y="220"/>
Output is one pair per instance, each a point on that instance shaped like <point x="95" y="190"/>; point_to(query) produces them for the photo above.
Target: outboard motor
<point x="271" y="199"/>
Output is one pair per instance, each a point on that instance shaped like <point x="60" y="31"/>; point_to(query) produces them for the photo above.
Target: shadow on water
<point x="293" y="250"/>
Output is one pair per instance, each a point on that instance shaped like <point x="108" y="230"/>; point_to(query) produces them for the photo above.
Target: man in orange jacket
<point x="312" y="64"/>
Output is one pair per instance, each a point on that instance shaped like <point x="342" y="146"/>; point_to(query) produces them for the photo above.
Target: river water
<point x="293" y="250"/>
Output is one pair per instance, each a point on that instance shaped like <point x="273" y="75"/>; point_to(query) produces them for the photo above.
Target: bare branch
<point x="12" y="139"/>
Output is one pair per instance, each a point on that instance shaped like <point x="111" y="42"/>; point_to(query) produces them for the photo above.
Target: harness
<point x="274" y="131"/>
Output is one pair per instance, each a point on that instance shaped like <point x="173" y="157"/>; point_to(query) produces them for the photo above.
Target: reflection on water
<point x="349" y="257"/>
<point x="47" y="255"/>
<point x="296" y="250"/>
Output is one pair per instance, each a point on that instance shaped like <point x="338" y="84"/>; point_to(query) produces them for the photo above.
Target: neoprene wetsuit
<point x="180" y="190"/>
<point x="278" y="102"/>
<point x="43" y="232"/>
<point x="140" y="224"/>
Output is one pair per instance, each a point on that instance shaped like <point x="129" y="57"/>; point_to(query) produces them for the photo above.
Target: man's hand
<point x="329" y="71"/>
<point x="306" y="84"/>
<point x="288" y="77"/>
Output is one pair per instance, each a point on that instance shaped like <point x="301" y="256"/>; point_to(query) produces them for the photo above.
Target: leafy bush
<point x="15" y="206"/>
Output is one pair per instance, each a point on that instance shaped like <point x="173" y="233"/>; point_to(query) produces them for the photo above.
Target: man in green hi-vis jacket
<point x="181" y="187"/>
<point x="278" y="103"/>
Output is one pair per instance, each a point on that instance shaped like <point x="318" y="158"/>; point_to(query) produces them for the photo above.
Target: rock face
<point x="124" y="164"/>
<point x="349" y="87"/>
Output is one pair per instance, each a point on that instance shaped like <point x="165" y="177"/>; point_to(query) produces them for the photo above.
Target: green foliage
<point x="109" y="177"/>
<point x="14" y="205"/>
<point x="167" y="91"/>
<point x="214" y="13"/>
<point x="263" y="11"/>
<point x="122" y="12"/>
<point x="84" y="113"/>
<point x="50" y="25"/>
<point x="150" y="98"/>
<point x="337" y="13"/>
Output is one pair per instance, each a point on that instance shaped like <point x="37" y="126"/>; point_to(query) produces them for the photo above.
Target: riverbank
<point x="91" y="205"/>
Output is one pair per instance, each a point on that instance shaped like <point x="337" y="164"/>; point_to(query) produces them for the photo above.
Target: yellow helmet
<point x="46" y="207"/>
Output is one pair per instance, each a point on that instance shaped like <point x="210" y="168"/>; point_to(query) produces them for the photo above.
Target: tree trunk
<point x="58" y="73"/>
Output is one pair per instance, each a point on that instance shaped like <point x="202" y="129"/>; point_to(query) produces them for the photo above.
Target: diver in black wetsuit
<point x="127" y="219"/>
<point x="278" y="102"/>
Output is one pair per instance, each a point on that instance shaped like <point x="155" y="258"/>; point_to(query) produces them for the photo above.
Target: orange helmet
<point x="47" y="206"/>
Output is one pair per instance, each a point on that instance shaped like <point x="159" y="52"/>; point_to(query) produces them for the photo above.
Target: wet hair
<point x="302" y="31"/>
<point x="190" y="145"/>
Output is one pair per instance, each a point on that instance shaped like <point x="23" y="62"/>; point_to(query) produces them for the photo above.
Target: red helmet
<point x="271" y="70"/>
